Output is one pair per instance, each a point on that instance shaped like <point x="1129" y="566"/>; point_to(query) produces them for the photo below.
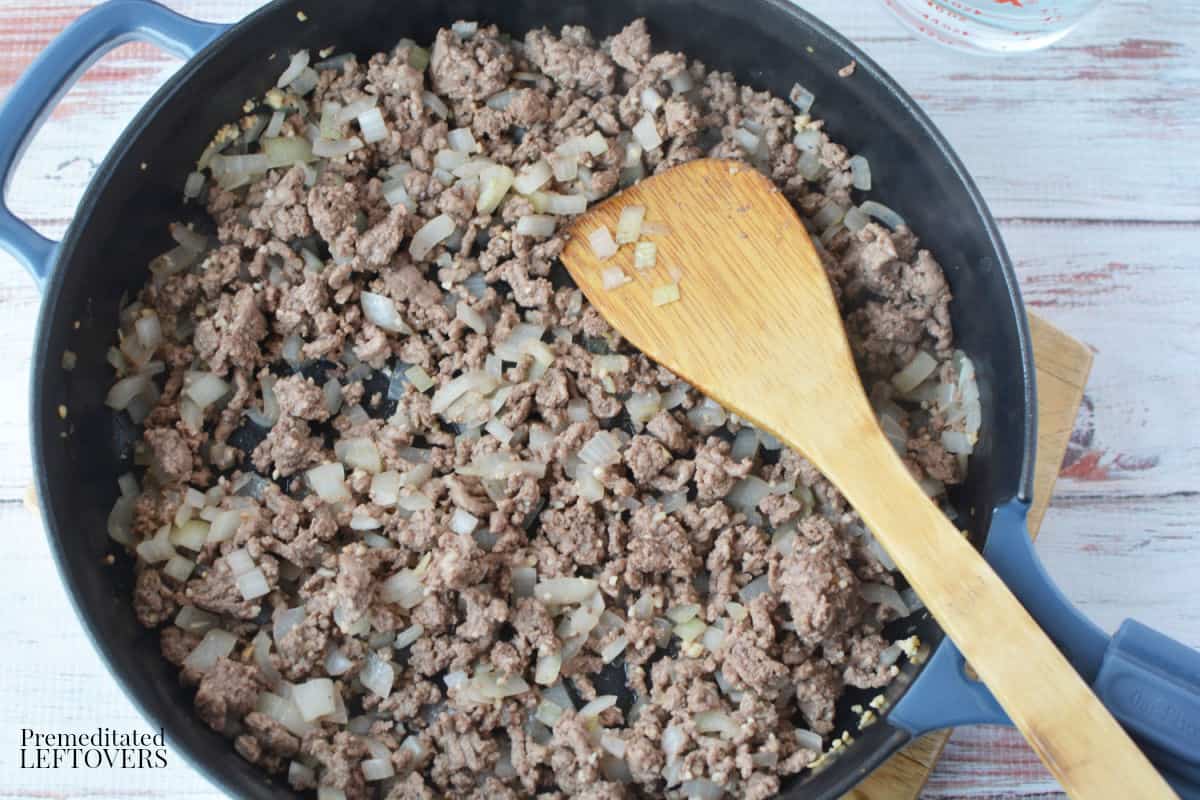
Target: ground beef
<point x="227" y="692"/>
<point x="492" y="513"/>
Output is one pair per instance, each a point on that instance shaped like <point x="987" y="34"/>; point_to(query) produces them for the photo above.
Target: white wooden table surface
<point x="1088" y="153"/>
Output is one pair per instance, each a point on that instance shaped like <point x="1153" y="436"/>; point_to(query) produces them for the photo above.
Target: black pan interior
<point x="122" y="222"/>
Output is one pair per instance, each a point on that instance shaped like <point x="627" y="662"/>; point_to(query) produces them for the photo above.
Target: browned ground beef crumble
<point x="736" y="621"/>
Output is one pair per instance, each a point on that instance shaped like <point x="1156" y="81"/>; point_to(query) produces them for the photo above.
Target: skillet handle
<point x="54" y="71"/>
<point x="1149" y="682"/>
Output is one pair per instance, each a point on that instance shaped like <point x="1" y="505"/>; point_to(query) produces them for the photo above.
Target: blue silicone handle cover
<point x="54" y="72"/>
<point x="1148" y="681"/>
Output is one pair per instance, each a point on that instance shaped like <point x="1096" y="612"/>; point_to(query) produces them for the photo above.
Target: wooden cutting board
<point x="1062" y="365"/>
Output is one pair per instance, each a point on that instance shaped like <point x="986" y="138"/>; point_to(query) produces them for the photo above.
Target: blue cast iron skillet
<point x="1148" y="681"/>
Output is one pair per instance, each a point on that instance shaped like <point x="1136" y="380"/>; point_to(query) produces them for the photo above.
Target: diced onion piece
<point x="748" y="141"/>
<point x="513" y="348"/>
<point x="716" y="722"/>
<point x="882" y="213"/>
<point x="329" y="482"/>
<point x="239" y="562"/>
<point x="602" y="243"/>
<point x="191" y="535"/>
<point x="463" y="522"/>
<point x="548" y="713"/>
<point x="667" y="293"/>
<point x="204" y="388"/>
<point x="914" y="374"/>
<point x="275" y="125"/>
<point x="294" y="68"/>
<point x="336" y="148"/>
<point x="120" y="519"/>
<point x="651" y="99"/>
<point x="372" y="125"/>
<point x="745" y="444"/>
<point x="602" y="449"/>
<point x="193" y="185"/>
<point x="957" y="442"/>
<point x="830" y="214"/>
<point x="495" y="181"/>
<point x="314" y="698"/>
<point x="753" y="589"/>
<point x="377" y="675"/>
<point x="701" y="789"/>
<point x="305" y="82"/>
<point x="253" y="584"/>
<point x="563" y="205"/>
<point x="691" y="630"/>
<point x="283" y="711"/>
<point x="396" y="194"/>
<point x="613" y="649"/>
<point x="533" y="177"/>
<point x="566" y="168"/>
<point x="404" y="588"/>
<point x="802" y="98"/>
<point x="337" y="662"/>
<point x="462" y="140"/>
<point x="808" y="140"/>
<point x="431" y="234"/>
<point x="286" y="620"/>
<point x="284" y="151"/>
<point x="381" y="310"/>
<point x="577" y="410"/>
<point x="598" y="706"/>
<point x="419" y="378"/>
<point x="746" y="493"/>
<point x="216" y="644"/>
<point x="642" y="406"/>
<point x="407" y="636"/>
<point x="855" y="219"/>
<point x="224" y="525"/>
<point x="860" y="171"/>
<point x="359" y="453"/>
<point x="565" y="591"/>
<point x="125" y="390"/>
<point x="884" y="595"/>
<point x="193" y="620"/>
<point x="547" y="669"/>
<point x="499" y="430"/>
<point x="377" y="769"/>
<point x="385" y="488"/>
<point x="540" y="225"/>
<point x="646" y="133"/>
<point x="645" y="254"/>
<point x="474" y="381"/>
<point x="681" y="82"/>
<point x="595" y="143"/>
<point x="435" y="104"/>
<point x="364" y="522"/>
<point x="629" y="224"/>
<point x="179" y="568"/>
<point x="614" y="278"/>
<point x="682" y="613"/>
<point x="472" y="318"/>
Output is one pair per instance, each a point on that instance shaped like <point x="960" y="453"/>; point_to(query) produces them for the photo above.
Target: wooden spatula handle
<point x="1072" y="732"/>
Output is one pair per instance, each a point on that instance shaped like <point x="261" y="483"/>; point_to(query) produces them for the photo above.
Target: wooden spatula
<point x="757" y="329"/>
